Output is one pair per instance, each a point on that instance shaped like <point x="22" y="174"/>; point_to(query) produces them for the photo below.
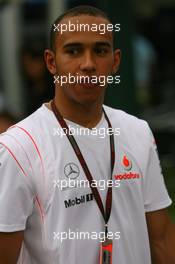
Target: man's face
<point x="82" y="53"/>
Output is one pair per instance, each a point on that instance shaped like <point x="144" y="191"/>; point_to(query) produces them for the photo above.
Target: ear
<point x="117" y="59"/>
<point x="49" y="57"/>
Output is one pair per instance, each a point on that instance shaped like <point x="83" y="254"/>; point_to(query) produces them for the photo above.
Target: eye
<point x="73" y="51"/>
<point x="101" y="51"/>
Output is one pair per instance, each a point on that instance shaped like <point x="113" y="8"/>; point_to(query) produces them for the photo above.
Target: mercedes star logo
<point x="71" y="170"/>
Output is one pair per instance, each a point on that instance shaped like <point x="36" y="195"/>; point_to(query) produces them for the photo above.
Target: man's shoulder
<point x="124" y="119"/>
<point x="34" y="120"/>
<point x="25" y="133"/>
<point x="132" y="128"/>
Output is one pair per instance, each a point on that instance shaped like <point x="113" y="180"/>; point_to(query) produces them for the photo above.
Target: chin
<point x="89" y="100"/>
<point x="86" y="96"/>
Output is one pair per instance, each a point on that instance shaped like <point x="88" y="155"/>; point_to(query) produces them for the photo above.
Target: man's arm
<point x="10" y="245"/>
<point x="162" y="237"/>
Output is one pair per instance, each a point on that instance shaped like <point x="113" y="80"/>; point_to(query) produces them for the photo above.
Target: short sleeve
<point x="155" y="193"/>
<point x="16" y="198"/>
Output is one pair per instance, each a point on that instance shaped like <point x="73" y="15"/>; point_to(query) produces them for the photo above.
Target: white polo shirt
<point x="35" y="159"/>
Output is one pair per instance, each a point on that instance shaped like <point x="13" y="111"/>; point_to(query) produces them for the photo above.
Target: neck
<point x="87" y="115"/>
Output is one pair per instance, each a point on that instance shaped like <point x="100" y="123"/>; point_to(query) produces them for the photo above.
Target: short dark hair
<point x="76" y="11"/>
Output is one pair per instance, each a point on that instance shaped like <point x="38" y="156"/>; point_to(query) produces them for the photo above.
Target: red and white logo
<point x="126" y="163"/>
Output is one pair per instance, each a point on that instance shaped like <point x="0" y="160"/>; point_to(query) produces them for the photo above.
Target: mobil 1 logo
<point x="78" y="200"/>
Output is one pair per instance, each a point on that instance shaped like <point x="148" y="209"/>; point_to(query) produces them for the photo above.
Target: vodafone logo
<point x="128" y="175"/>
<point x="126" y="163"/>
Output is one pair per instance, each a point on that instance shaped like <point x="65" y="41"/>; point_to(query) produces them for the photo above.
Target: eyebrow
<point x="79" y="44"/>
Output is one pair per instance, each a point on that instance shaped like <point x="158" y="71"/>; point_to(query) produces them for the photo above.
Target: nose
<point x="88" y="64"/>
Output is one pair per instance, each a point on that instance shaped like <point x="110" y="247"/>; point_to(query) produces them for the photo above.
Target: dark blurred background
<point x="147" y="41"/>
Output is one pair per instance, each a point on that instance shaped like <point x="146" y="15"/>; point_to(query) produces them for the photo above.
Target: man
<point x="37" y="215"/>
